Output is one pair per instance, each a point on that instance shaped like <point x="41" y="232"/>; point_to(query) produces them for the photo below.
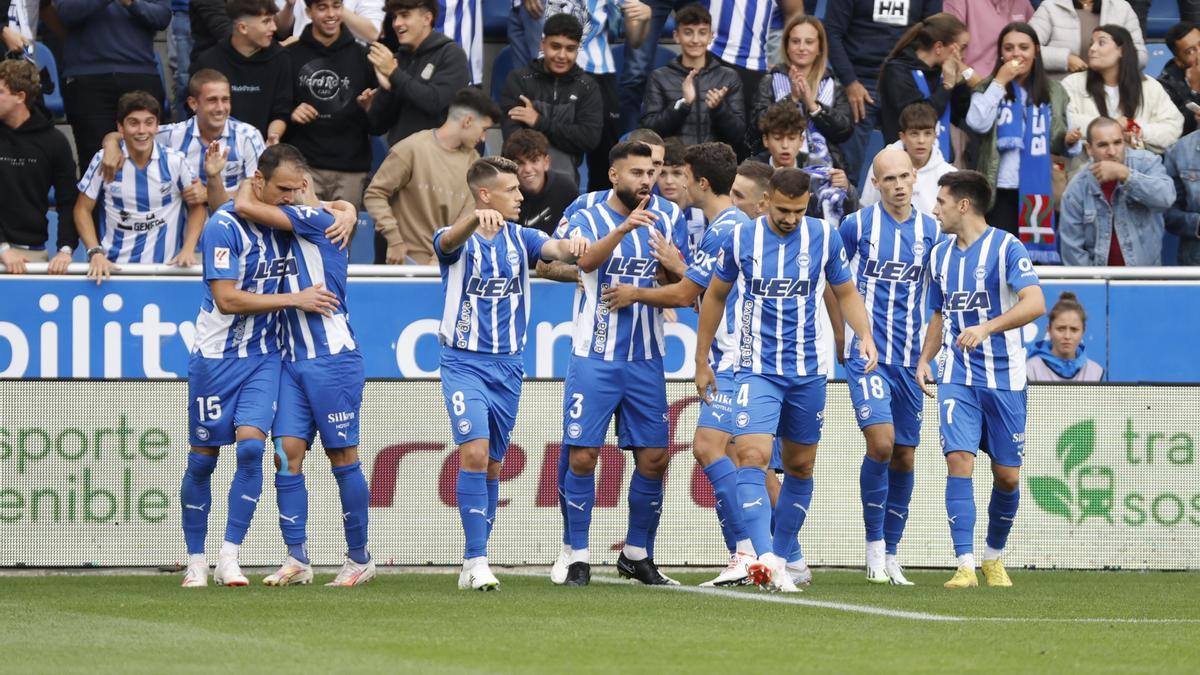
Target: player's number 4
<point x="209" y="407"/>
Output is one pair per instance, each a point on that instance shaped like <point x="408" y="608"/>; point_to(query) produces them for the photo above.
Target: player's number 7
<point x="949" y="403"/>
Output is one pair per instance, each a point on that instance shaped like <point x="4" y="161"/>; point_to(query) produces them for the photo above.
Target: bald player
<point x="889" y="246"/>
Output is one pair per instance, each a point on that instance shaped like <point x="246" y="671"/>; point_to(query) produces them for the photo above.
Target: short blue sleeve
<point x="837" y="268"/>
<point x="222" y="246"/>
<point x="704" y="261"/>
<point x="308" y="222"/>
<point x="582" y="225"/>
<point x="1018" y="266"/>
<point x="679" y="235"/>
<point x="936" y="297"/>
<point x="849" y="233"/>
<point x="533" y="241"/>
<point x="445" y="258"/>
<point x="726" y="267"/>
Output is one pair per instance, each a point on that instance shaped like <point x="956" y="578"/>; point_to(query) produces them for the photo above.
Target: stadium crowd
<point x="1011" y="88"/>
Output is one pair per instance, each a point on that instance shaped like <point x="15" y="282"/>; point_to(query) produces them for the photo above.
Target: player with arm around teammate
<point x="889" y="245"/>
<point x="322" y="380"/>
<point x="983" y="290"/>
<point x="233" y="372"/>
<point x="484" y="260"/>
<point x="780" y="264"/>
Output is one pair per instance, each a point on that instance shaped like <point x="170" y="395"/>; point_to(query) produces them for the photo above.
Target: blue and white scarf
<point x="1025" y="128"/>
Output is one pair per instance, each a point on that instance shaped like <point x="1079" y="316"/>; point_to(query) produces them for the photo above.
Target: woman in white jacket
<point x="1114" y="86"/>
<point x="1064" y="28"/>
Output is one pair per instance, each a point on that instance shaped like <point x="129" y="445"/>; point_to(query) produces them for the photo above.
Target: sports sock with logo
<point x="755" y="506"/>
<point x="195" y="497"/>
<point x="291" y="494"/>
<point x="900" y="489"/>
<point x="790" y="511"/>
<point x="960" y="510"/>
<point x="580" y="497"/>
<point x="471" y="491"/>
<point x="1002" y="509"/>
<point x="352" y="488"/>
<point x="246" y="488"/>
<point x="873" y="490"/>
<point x="564" y="461"/>
<point x="723" y="476"/>
<point x="645" y="500"/>
<point x="493" y="492"/>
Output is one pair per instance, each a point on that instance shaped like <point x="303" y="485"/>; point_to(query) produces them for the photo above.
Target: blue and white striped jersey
<point x="740" y="31"/>
<point x="696" y="226"/>
<point x="780" y="281"/>
<point x="143" y="215"/>
<point x="317" y="261"/>
<point x="595" y="54"/>
<point x="890" y="262"/>
<point x="486" y="282"/>
<point x="245" y="144"/>
<point x="667" y="211"/>
<point x="632" y="333"/>
<point x="972" y="287"/>
<point x="462" y="21"/>
<point x="256" y="258"/>
<point x="724" y="346"/>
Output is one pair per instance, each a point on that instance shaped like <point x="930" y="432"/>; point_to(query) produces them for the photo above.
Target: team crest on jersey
<point x="980" y="272"/>
<point x="919" y="249"/>
<point x="742" y="420"/>
<point x="803" y="260"/>
<point x="464" y="426"/>
<point x="574" y="430"/>
<point x="202" y="433"/>
<point x="864" y="412"/>
<point x="513" y="257"/>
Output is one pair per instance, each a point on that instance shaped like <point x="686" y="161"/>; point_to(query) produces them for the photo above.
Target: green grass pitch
<point x="419" y="622"/>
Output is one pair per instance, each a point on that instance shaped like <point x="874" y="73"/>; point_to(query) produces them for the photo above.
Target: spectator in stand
<point x="179" y="55"/>
<point x="34" y="158"/>
<point x="1181" y="76"/>
<point x="210" y="25"/>
<point x="1182" y="164"/>
<point x="547" y="193"/>
<point x="1022" y="116"/>
<point x="1065" y="28"/>
<point x="740" y="30"/>
<point x="1060" y="357"/>
<point x="525" y="30"/>
<point x="639" y="60"/>
<point x="333" y="89"/>
<point x="363" y="18"/>
<point x="554" y="96"/>
<point x="751" y="191"/>
<point x="1112" y="211"/>
<point x="109" y="51"/>
<point x="1114" y="86"/>
<point x="18" y="26"/>
<point x="782" y="127"/>
<point x="596" y="59"/>
<point x="861" y="32"/>
<point x="672" y="180"/>
<point x="918" y="136"/>
<point x="220" y="150"/>
<point x="462" y="21"/>
<point x="926" y="65"/>
<point x="144" y="218"/>
<point x="694" y="96"/>
<point x="984" y="20"/>
<point x="422" y="185"/>
<point x="803" y="77"/>
<point x="417" y="83"/>
<point x="259" y="70"/>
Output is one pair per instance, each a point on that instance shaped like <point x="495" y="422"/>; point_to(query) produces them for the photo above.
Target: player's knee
<point x="706" y="451"/>
<point x="903" y="458"/>
<point x="473" y="455"/>
<point x="1006" y="481"/>
<point x="583" y="461"/>
<point x="652" y="462"/>
<point x="881" y="441"/>
<point x="960" y="463"/>
<point x="250" y="454"/>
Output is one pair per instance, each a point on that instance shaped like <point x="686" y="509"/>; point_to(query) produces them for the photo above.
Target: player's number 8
<point x="576" y="410"/>
<point x="210" y="408"/>
<point x="876" y="386"/>
<point x="460" y="405"/>
<point x="949" y="403"/>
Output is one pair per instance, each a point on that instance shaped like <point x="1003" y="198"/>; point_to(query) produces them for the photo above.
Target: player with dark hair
<point x="984" y="289"/>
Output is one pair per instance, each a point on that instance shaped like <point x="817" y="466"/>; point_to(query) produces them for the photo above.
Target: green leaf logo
<point x="1051" y="494"/>
<point x="1076" y="444"/>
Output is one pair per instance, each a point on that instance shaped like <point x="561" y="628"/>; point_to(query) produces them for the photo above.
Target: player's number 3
<point x="210" y="408"/>
<point x="576" y="410"/>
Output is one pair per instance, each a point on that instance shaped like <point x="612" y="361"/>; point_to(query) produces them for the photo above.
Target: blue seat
<point x="501" y="67"/>
<point x="1159" y="57"/>
<point x="45" y="59"/>
<point x="495" y="20"/>
<point x="379" y="150"/>
<point x="362" y="244"/>
<point x="1162" y="15"/>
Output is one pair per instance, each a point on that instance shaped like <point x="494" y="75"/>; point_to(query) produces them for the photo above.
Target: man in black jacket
<point x="417" y="83"/>
<point x="258" y="69"/>
<point x="34" y="157"/>
<point x="554" y="96"/>
<point x="696" y="97"/>
<point x="333" y="87"/>
<point x="210" y="25"/>
<point x="1181" y="76"/>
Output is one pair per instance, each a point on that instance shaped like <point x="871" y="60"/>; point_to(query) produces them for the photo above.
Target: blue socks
<point x="291" y="495"/>
<point x="755" y="506"/>
<point x="1002" y="509"/>
<point x="493" y="490"/>
<point x="564" y="461"/>
<point x="472" y="494"/>
<point x="580" y="496"/>
<point x="195" y="498"/>
<point x="960" y="510"/>
<point x="900" y="489"/>
<point x="246" y="489"/>
<point x="873" y="489"/>
<point x="723" y="476"/>
<point x="645" y="502"/>
<point x="790" y="511"/>
<point x="352" y="487"/>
